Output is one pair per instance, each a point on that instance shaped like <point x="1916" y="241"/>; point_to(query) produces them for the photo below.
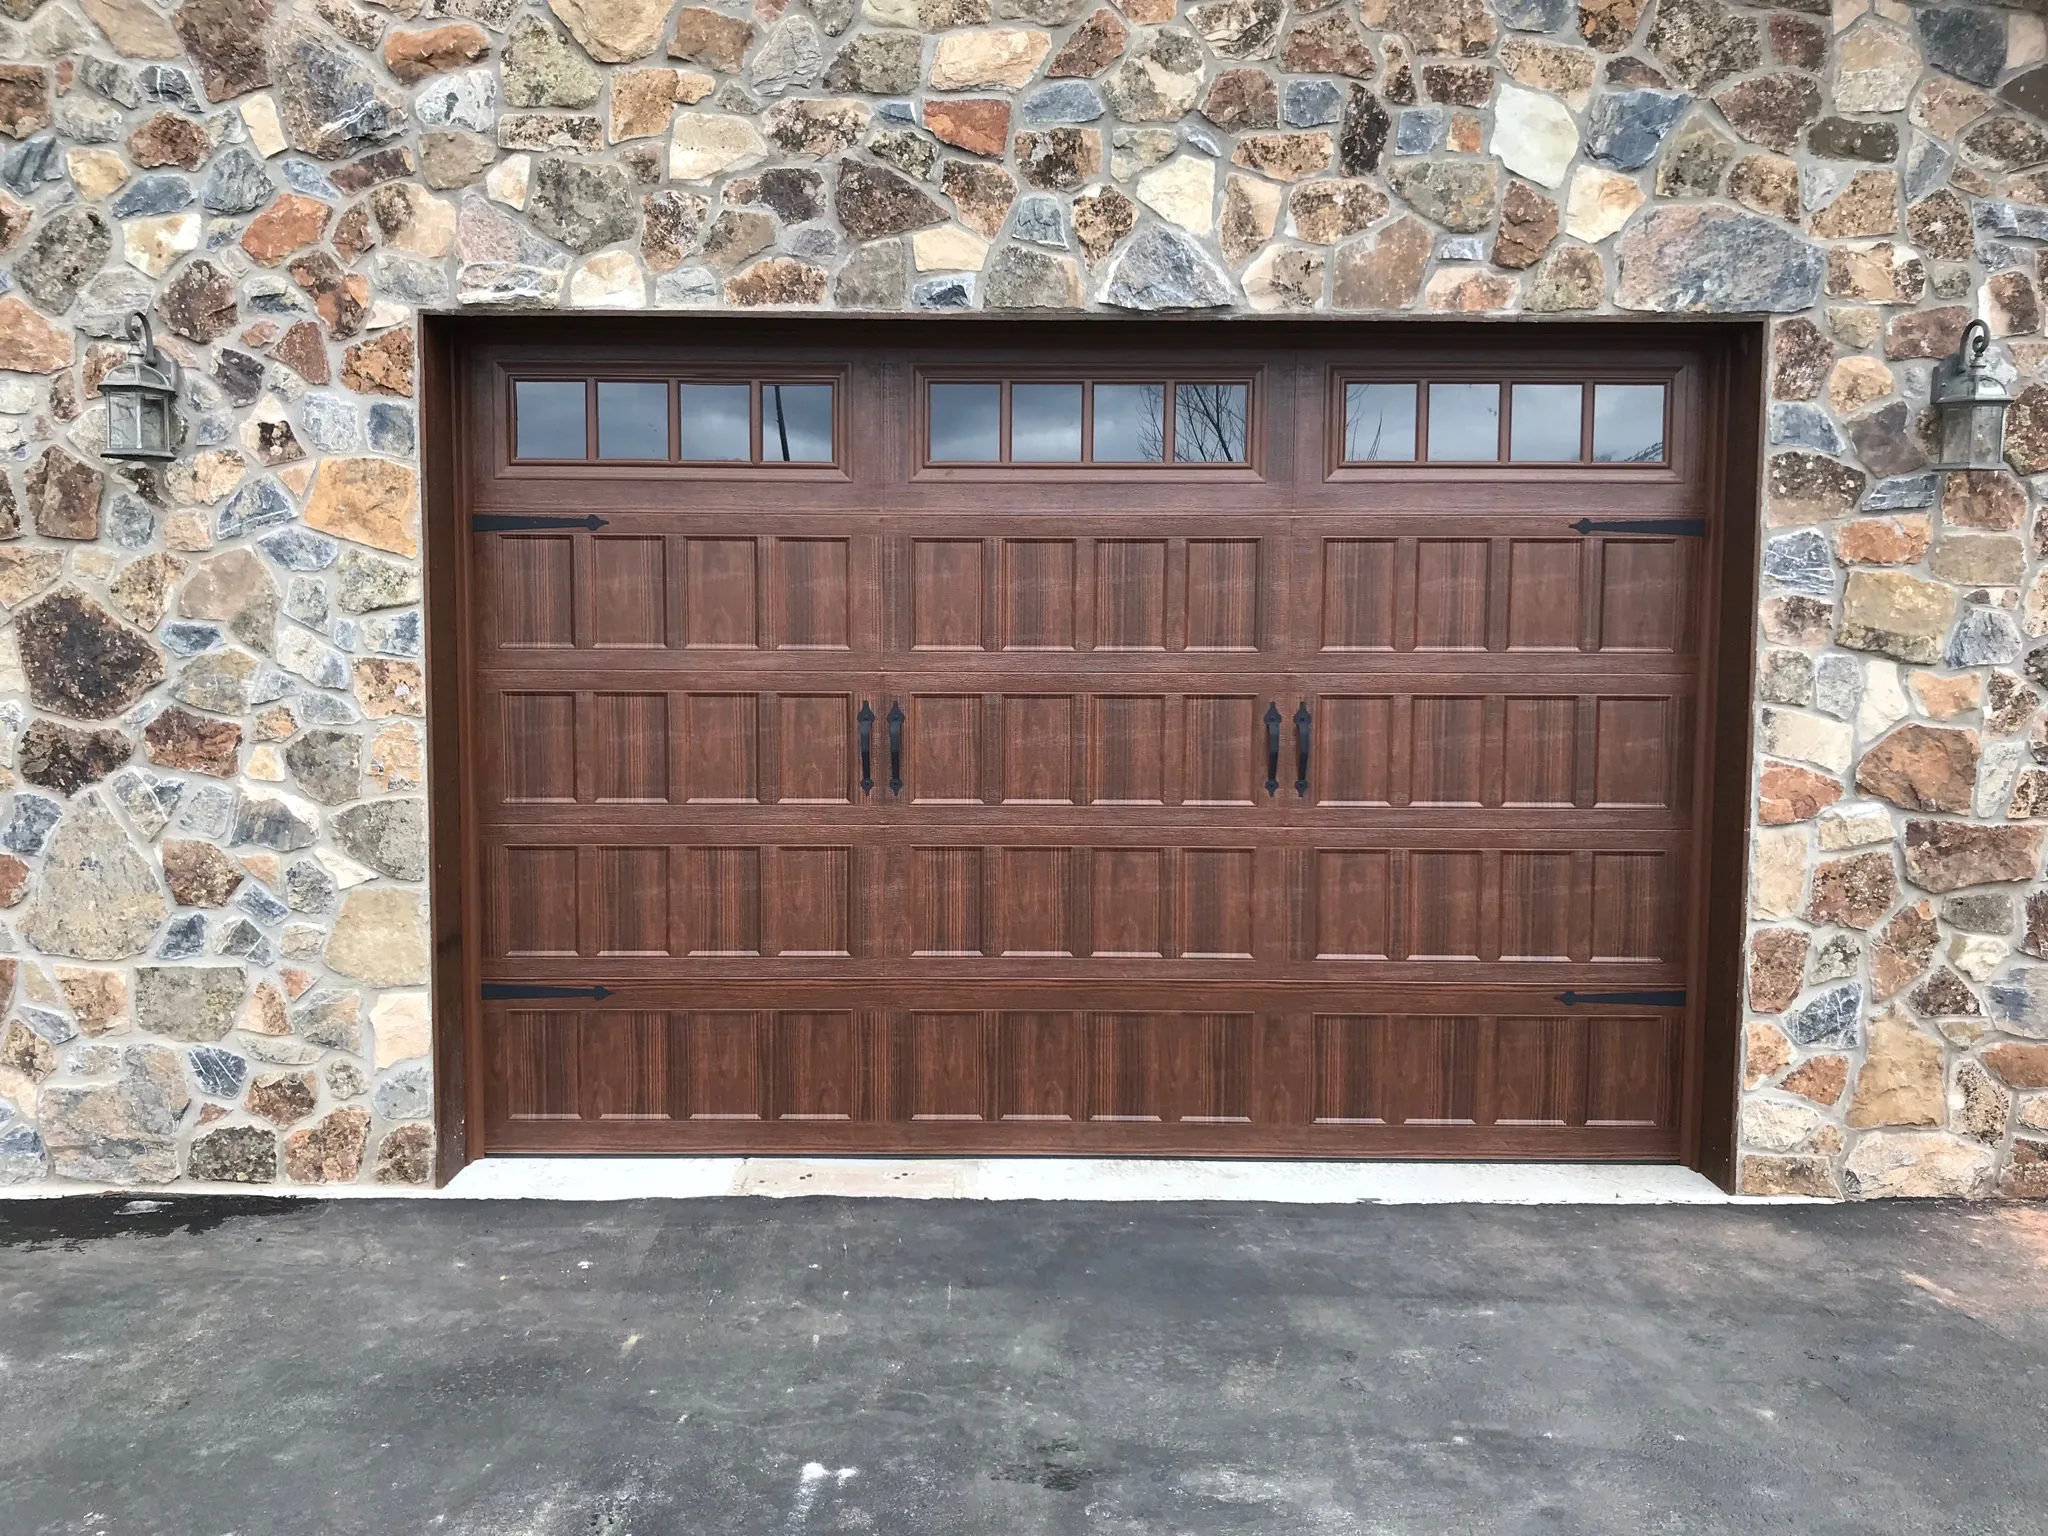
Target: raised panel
<point x="1642" y="595"/>
<point x="1034" y="899"/>
<point x="721" y="588"/>
<point x="1223" y="595"/>
<point x="1541" y="738"/>
<point x="811" y="591"/>
<point x="538" y="746"/>
<point x="1450" y="594"/>
<point x="1216" y="903"/>
<point x="1128" y="750"/>
<point x="534" y="601"/>
<point x="945" y="901"/>
<point x="629" y="590"/>
<point x="1633" y="907"/>
<point x="720" y="746"/>
<point x="632" y="900"/>
<point x="535" y="1057"/>
<point x="1038" y="749"/>
<point x="1447" y="763"/>
<point x="1539" y="1071"/>
<point x="624" y="1066"/>
<point x="1631" y="1071"/>
<point x="1536" y="906"/>
<point x="1130" y="594"/>
<point x="808" y="901"/>
<point x="943" y="749"/>
<point x="946" y="595"/>
<point x="816" y="1066"/>
<point x="721" y="901"/>
<point x="1170" y="1067"/>
<point x="534" y="901"/>
<point x="1222" y="747"/>
<point x="1038" y="594"/>
<point x="943" y="1067"/>
<point x="629" y="746"/>
<point x="1038" y="1066"/>
<point x="1445" y="890"/>
<point x="1543" y="594"/>
<point x="1631" y="758"/>
<point x="814" y="742"/>
<point x="1352" y="903"/>
<point x="1352" y="738"/>
<point x="1358" y="594"/>
<point x="1409" y="1070"/>
<point x="724" y="1066"/>
<point x="1127" y="900"/>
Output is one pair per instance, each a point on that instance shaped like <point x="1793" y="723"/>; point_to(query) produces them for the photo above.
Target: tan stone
<point x="1856" y="382"/>
<point x="1946" y="106"/>
<point x="380" y="937"/>
<point x="1770" y="1175"/>
<point x="1777" y="871"/>
<point x="704" y="145"/>
<point x="97" y="173"/>
<point x="1469" y="291"/>
<point x="1766" y="1053"/>
<point x="28" y="342"/>
<point x="1917" y="1164"/>
<point x="1983" y="499"/>
<point x="400" y="1027"/>
<point x="385" y="686"/>
<point x="1943" y="698"/>
<point x="1979" y="559"/>
<point x="1182" y="191"/>
<point x="999" y="57"/>
<point x="948" y="248"/>
<point x="614" y="31"/>
<point x="1599" y="203"/>
<point x="412" y="56"/>
<point x="1383" y="272"/>
<point x="1766" y="183"/>
<point x="1901" y="1082"/>
<point x="1868" y="206"/>
<point x="1328" y="211"/>
<point x="1569" y="72"/>
<point x="397" y="758"/>
<point x="1284" y="156"/>
<point x="368" y="501"/>
<point x="1896" y="614"/>
<point x="134" y="28"/>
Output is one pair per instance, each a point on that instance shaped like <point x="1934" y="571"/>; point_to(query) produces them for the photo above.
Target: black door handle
<point x="866" y="717"/>
<point x="1304" y="722"/>
<point x="895" y="747"/>
<point x="1272" y="749"/>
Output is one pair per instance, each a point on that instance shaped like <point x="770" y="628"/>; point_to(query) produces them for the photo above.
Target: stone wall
<point x="210" y="675"/>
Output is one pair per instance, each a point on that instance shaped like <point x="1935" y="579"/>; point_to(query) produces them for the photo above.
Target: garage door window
<point x="768" y="421"/>
<point x="1464" y="422"/>
<point x="1111" y="423"/>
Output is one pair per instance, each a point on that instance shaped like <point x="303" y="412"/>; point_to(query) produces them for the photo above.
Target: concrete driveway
<point x="895" y="1367"/>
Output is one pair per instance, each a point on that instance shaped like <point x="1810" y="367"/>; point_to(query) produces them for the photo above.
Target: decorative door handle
<point x="1304" y="722"/>
<point x="895" y="747"/>
<point x="866" y="717"/>
<point x="1272" y="749"/>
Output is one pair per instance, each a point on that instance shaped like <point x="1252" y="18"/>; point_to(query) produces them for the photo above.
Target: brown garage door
<point x="1174" y="744"/>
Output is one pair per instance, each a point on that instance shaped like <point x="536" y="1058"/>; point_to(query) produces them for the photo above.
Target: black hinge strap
<point x="1634" y="999"/>
<point x="499" y="991"/>
<point x="508" y="522"/>
<point x="1684" y="527"/>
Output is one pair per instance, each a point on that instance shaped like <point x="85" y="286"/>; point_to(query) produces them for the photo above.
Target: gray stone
<point x="184" y="638"/>
<point x="366" y="582"/>
<point x="196" y="1003"/>
<point x="345" y="1080"/>
<point x="183" y="938"/>
<point x="259" y="504"/>
<point x="1063" y="101"/>
<point x="1801" y="562"/>
<point x="119" y="1133"/>
<point x="1984" y="637"/>
<point x="1927" y="168"/>
<point x="400" y="634"/>
<point x="329" y="709"/>
<point x="149" y="799"/>
<point x="1699" y="260"/>
<point x="407" y="1094"/>
<point x="304" y="176"/>
<point x="1798" y="425"/>
<point x="945" y="292"/>
<point x="218" y="1073"/>
<point x="1966" y="42"/>
<point x="98" y="897"/>
<point x="116" y="82"/>
<point x="1040" y="219"/>
<point x="210" y="812"/>
<point x="237" y="182"/>
<point x="509" y="284"/>
<point x="330" y="1018"/>
<point x="271" y="822"/>
<point x="582" y="205"/>
<point x="409" y="279"/>
<point x="234" y="1154"/>
<point x="169" y="85"/>
<point x="1902" y="493"/>
<point x="327" y="764"/>
<point x="1308" y="103"/>
<point x="542" y="69"/>
<point x="245" y="940"/>
<point x="260" y="904"/>
<point x="791" y="59"/>
<point x="1537" y="15"/>
<point x="81" y="120"/>
<point x="465" y="100"/>
<point x="1833" y="1018"/>
<point x="1995" y="216"/>
<point x="388" y="835"/>
<point x="1982" y="912"/>
<point x="1626" y="128"/>
<point x="309" y="888"/>
<point x="1163" y="268"/>
<point x="1022" y="278"/>
<point x="27" y="166"/>
<point x="332" y="105"/>
<point x="2019" y="1001"/>
<point x="306" y="601"/>
<point x="391" y="428"/>
<point x="153" y="194"/>
<point x="1837" y="685"/>
<point x="23" y="1157"/>
<point x="128" y="520"/>
<point x="71" y="245"/>
<point x="29" y="825"/>
<point x="1421" y="131"/>
<point x="329" y="425"/>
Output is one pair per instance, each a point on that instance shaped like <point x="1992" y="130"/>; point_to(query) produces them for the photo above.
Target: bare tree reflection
<point x="1209" y="423"/>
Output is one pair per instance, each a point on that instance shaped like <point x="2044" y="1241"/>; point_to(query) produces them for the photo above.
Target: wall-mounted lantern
<point x="1971" y="402"/>
<point x="139" y="395"/>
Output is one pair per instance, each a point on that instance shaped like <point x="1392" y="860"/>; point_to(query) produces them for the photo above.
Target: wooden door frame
<point x="1727" y="664"/>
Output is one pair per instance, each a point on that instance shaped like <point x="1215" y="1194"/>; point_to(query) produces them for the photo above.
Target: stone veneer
<point x="210" y="676"/>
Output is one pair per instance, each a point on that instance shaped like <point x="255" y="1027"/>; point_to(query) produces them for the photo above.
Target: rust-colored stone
<point x="1777" y="968"/>
<point x="1922" y="768"/>
<point x="1822" y="1080"/>
<point x="290" y="224"/>
<point x="1790" y="793"/>
<point x="981" y="126"/>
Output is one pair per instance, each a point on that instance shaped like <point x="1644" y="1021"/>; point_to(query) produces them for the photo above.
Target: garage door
<point x="1169" y="744"/>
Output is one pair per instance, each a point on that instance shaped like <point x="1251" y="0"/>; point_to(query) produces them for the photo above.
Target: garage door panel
<point x="1083" y="923"/>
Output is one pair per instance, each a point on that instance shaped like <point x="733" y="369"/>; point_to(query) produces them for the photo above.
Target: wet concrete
<point x="900" y="1368"/>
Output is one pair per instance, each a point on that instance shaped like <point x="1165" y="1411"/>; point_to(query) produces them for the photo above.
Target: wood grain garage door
<point x="1177" y="745"/>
